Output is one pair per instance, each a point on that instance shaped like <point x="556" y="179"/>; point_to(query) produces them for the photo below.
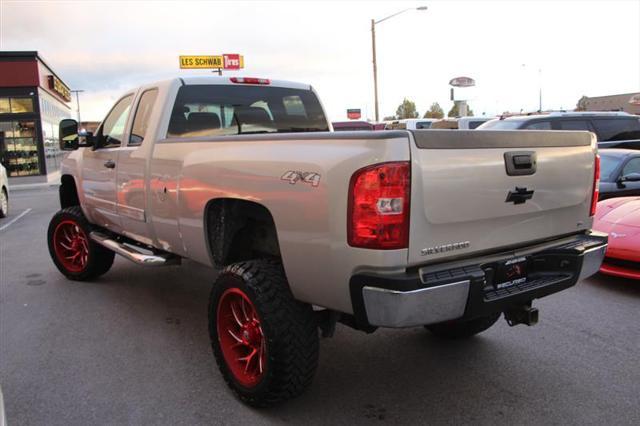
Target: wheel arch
<point x="238" y="230"/>
<point x="68" y="192"/>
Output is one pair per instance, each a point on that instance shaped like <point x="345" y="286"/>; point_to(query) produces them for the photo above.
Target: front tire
<point x="264" y="341"/>
<point x="462" y="329"/>
<point x="73" y="252"/>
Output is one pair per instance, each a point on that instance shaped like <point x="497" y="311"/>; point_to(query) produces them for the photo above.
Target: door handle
<point x="520" y="163"/>
<point x="110" y="164"/>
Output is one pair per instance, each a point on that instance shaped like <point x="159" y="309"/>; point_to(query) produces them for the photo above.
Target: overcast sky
<point x="580" y="47"/>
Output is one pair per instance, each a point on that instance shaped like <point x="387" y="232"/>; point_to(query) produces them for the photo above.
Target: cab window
<point x="112" y="130"/>
<point x="141" y="119"/>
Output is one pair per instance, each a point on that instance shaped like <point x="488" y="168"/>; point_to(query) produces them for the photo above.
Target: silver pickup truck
<point x="436" y="228"/>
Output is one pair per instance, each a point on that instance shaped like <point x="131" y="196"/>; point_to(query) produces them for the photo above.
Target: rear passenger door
<point x="132" y="188"/>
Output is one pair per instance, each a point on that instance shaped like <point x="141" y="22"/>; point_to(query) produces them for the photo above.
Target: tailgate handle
<point x="520" y="163"/>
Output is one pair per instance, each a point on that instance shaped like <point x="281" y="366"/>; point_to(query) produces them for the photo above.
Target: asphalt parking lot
<point x="133" y="348"/>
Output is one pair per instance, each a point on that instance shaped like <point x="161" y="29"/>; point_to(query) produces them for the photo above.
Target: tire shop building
<point x="33" y="100"/>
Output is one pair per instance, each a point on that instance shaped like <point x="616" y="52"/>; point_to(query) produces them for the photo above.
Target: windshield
<point x="501" y="125"/>
<point x="608" y="164"/>
<point x="220" y="110"/>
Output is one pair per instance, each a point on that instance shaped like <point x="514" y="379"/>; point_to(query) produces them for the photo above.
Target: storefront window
<point x="5" y="107"/>
<point x="16" y="105"/>
<point x="21" y="105"/>
<point x="19" y="150"/>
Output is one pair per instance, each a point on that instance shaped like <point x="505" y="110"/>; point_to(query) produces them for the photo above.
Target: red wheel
<point x="265" y="342"/>
<point x="73" y="252"/>
<point x="241" y="339"/>
<point x="71" y="246"/>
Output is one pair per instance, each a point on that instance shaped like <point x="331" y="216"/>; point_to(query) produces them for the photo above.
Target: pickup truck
<point x="310" y="228"/>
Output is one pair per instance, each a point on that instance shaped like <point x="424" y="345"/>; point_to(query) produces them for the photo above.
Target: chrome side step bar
<point x="136" y="254"/>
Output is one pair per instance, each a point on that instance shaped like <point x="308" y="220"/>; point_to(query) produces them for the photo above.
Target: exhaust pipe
<point x="521" y="314"/>
<point x="138" y="255"/>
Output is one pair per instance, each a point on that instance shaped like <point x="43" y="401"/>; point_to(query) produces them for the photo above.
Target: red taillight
<point x="250" y="80"/>
<point x="596" y="186"/>
<point x="378" y="212"/>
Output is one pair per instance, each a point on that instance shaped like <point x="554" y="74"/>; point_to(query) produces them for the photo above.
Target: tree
<point x="454" y="111"/>
<point x="434" y="112"/>
<point x="389" y="118"/>
<point x="582" y="104"/>
<point x="407" y="109"/>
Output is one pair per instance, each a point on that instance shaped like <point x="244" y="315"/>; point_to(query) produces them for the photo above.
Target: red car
<point x="620" y="218"/>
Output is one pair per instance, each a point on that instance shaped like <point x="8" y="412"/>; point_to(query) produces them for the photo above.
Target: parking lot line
<point x="15" y="219"/>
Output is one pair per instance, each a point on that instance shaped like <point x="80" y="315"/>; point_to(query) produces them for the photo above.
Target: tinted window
<point x="617" y="129"/>
<point x="539" y="125"/>
<point x="501" y="125"/>
<point x="218" y="110"/>
<point x="632" y="166"/>
<point x="423" y="125"/>
<point x="141" y="120"/>
<point x="474" y="124"/>
<point x="113" y="126"/>
<point x="608" y="164"/>
<point x="573" y="125"/>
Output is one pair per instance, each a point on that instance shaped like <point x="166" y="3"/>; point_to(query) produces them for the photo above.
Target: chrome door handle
<point x="110" y="164"/>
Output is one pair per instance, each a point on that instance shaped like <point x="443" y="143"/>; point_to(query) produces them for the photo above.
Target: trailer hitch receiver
<point x="521" y="314"/>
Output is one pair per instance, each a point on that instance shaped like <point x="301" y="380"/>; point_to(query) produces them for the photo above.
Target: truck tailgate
<point x="464" y="200"/>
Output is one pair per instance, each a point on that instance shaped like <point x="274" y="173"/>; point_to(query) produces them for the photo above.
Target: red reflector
<point x="596" y="186"/>
<point x="250" y="80"/>
<point x="378" y="211"/>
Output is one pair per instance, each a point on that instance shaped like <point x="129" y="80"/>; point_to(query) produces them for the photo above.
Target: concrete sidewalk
<point x="53" y="180"/>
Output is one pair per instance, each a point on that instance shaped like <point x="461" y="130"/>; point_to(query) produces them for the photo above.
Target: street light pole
<point x="78" y="102"/>
<point x="373" y="49"/>
<point x="375" y="68"/>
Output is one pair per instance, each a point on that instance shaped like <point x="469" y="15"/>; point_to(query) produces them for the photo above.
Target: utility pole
<point x="375" y="68"/>
<point x="77" y="102"/>
<point x="373" y="48"/>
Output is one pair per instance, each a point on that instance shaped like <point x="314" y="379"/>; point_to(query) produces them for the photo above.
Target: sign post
<point x="461" y="82"/>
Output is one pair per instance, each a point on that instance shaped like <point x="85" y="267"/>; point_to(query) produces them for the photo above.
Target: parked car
<point x="470" y="123"/>
<point x="311" y="228"/>
<point x="410" y="124"/>
<point x="620" y="173"/>
<point x="613" y="129"/>
<point x="620" y="218"/>
<point x="4" y="192"/>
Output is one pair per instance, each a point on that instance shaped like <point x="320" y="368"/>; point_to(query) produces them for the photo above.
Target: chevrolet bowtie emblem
<point x="519" y="196"/>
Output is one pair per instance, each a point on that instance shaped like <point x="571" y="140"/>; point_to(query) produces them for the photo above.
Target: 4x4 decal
<point x="293" y="177"/>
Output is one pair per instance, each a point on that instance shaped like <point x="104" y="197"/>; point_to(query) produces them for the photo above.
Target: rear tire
<point x="73" y="252"/>
<point x="265" y="342"/>
<point x="4" y="203"/>
<point x="463" y="329"/>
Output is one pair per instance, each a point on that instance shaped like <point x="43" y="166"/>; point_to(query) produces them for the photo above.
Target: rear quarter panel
<point x="310" y="221"/>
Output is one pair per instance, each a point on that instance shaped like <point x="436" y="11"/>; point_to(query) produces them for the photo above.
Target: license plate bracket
<point x="511" y="272"/>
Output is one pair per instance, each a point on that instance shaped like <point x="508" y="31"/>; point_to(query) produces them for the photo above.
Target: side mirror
<point x="70" y="140"/>
<point x="631" y="177"/>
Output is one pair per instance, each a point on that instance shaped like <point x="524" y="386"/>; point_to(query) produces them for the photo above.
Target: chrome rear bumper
<point x="469" y="291"/>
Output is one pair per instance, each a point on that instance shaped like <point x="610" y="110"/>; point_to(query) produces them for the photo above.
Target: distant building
<point x="33" y="100"/>
<point x="627" y="102"/>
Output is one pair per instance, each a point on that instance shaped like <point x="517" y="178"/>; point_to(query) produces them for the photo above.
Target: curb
<point x="28" y="186"/>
